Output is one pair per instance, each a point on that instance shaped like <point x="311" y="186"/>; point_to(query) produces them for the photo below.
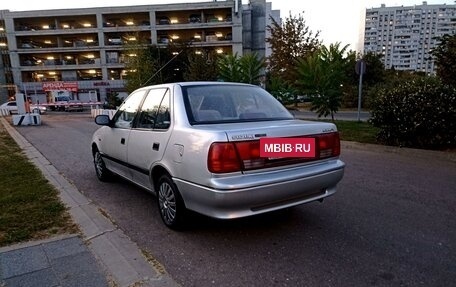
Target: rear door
<point x="149" y="137"/>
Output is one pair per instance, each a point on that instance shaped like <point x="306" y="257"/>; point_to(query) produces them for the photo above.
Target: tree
<point x="375" y="69"/>
<point x="229" y="68"/>
<point x="148" y="65"/>
<point x="290" y="41"/>
<point x="202" y="67"/>
<point x="252" y="68"/>
<point x="139" y="65"/>
<point x="245" y="69"/>
<point x="445" y="59"/>
<point x="112" y="101"/>
<point x="280" y="89"/>
<point x="322" y="77"/>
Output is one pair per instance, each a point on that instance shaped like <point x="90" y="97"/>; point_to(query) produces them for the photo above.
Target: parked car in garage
<point x="11" y="106"/>
<point x="225" y="150"/>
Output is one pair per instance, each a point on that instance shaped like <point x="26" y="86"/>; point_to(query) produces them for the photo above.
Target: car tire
<point x="170" y="204"/>
<point x="103" y="174"/>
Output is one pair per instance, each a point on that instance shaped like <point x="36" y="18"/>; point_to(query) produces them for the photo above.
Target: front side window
<point x="127" y="111"/>
<point x="207" y="104"/>
<point x="155" y="113"/>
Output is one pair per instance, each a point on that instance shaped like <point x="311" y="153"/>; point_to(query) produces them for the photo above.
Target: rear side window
<point x="155" y="113"/>
<point x="206" y="104"/>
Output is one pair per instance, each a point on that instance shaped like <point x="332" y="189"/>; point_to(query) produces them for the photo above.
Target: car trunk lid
<point x="243" y="150"/>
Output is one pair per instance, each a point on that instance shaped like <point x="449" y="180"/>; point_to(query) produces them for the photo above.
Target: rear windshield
<point x="206" y="104"/>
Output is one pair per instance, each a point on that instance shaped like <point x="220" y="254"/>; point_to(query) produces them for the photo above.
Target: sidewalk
<point x="101" y="256"/>
<point x="59" y="261"/>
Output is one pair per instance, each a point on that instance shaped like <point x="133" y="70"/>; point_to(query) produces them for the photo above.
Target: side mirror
<point x="102" y="120"/>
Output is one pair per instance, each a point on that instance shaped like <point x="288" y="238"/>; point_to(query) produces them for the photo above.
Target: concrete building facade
<point x="405" y="35"/>
<point x="83" y="50"/>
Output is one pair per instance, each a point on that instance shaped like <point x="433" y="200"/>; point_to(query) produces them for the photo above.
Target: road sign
<point x="360" y="67"/>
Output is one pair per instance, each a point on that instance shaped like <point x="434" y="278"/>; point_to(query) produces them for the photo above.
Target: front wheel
<point x="102" y="172"/>
<point x="170" y="204"/>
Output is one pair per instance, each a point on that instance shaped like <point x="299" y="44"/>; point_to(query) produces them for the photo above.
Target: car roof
<point x="197" y="83"/>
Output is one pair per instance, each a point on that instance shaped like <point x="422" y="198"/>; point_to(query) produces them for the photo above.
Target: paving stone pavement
<point x="59" y="261"/>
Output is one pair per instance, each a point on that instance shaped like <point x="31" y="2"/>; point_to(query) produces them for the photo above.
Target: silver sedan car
<point x="225" y="150"/>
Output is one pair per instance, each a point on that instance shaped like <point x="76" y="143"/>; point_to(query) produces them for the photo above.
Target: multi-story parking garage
<point x="83" y="50"/>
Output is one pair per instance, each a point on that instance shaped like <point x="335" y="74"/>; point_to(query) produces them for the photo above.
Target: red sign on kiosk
<point x="60" y="86"/>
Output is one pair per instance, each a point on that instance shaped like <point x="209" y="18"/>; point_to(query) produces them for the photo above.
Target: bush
<point x="417" y="113"/>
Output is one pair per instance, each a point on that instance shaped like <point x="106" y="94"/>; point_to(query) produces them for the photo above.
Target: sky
<point x="336" y="20"/>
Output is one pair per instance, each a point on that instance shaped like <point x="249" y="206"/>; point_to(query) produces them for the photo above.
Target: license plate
<point x="273" y="148"/>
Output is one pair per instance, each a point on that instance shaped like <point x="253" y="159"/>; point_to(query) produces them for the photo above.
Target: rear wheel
<point x="102" y="172"/>
<point x="170" y="204"/>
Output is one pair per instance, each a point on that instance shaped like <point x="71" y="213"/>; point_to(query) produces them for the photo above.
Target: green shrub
<point x="417" y="113"/>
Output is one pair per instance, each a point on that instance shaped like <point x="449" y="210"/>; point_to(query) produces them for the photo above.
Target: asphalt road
<point x="391" y="223"/>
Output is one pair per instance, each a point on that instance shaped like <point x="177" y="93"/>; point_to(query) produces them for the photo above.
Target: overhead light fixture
<point x="132" y="38"/>
<point x="175" y="37"/>
<point x="2" y="44"/>
<point x="130" y="23"/>
<point x="52" y="73"/>
<point x="47" y="42"/>
<point x="92" y="72"/>
<point x="89" y="41"/>
<point x="50" y="58"/>
<point x="219" y="51"/>
<point x="45" y="27"/>
<point x="219" y="34"/>
<point x="198" y="52"/>
<point x="87" y="25"/>
<point x="174" y="21"/>
<point x="66" y="26"/>
<point x="90" y="56"/>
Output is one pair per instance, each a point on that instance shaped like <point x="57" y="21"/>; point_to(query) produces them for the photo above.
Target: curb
<point x="122" y="260"/>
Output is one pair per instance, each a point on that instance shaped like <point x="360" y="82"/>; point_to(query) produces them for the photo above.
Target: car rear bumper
<point x="251" y="194"/>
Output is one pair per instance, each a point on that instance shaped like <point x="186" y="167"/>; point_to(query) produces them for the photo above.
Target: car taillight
<point x="234" y="156"/>
<point x="328" y="145"/>
<point x="222" y="158"/>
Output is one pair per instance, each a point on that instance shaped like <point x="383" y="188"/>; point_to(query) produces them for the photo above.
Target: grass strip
<point x="29" y="205"/>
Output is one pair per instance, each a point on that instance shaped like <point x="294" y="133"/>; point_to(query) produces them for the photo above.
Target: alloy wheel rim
<point x="167" y="202"/>
<point x="98" y="164"/>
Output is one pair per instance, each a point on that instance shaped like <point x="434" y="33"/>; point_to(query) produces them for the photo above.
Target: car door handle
<point x="122" y="141"/>
<point x="156" y="146"/>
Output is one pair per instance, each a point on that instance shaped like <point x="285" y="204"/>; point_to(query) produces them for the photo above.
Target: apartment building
<point x="82" y="51"/>
<point x="405" y="35"/>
